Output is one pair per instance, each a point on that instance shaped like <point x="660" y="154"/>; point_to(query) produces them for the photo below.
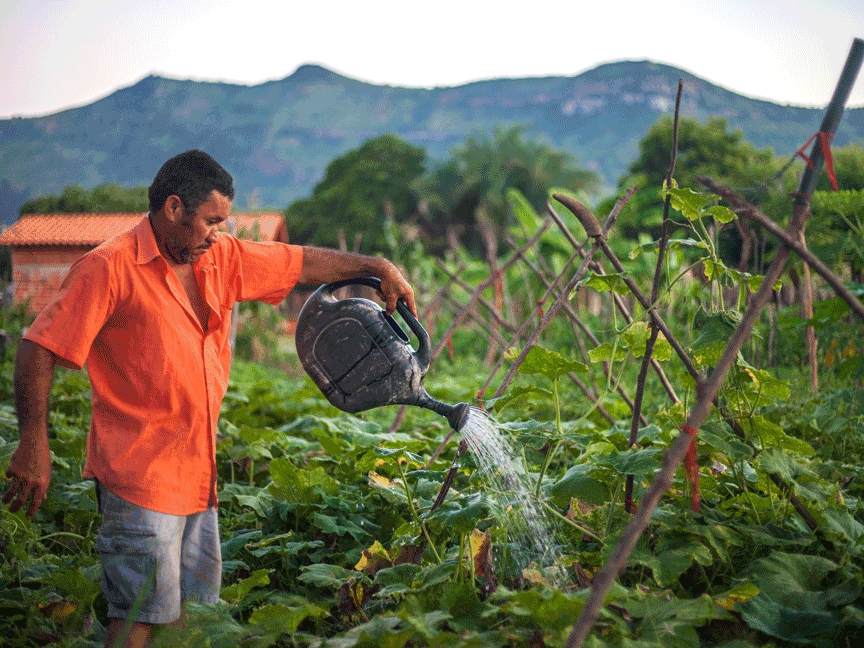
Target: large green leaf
<point x="459" y="516"/>
<point x="783" y="622"/>
<point x="668" y="565"/>
<point x="608" y="351"/>
<point x="326" y="576"/>
<point x="76" y="585"/>
<point x="517" y="395"/>
<point x="551" y="609"/>
<point x="239" y="591"/>
<point x="720" y="437"/>
<point x="379" y="632"/>
<point x="604" y="282"/>
<point x="665" y="620"/>
<point x="691" y="203"/>
<point x="712" y="335"/>
<point x="338" y="525"/>
<point x="634" y="461"/>
<point x="549" y="363"/>
<point x="636" y="337"/>
<point x="793" y="580"/>
<point x="284" y="619"/>
<point x="577" y="483"/>
<point x="775" y="460"/>
<point x="299" y="485"/>
<point x="766" y="434"/>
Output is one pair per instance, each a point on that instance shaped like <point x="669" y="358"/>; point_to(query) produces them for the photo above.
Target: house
<point x="44" y="246"/>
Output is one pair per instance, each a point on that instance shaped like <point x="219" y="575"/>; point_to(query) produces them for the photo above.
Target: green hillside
<point x="277" y="137"/>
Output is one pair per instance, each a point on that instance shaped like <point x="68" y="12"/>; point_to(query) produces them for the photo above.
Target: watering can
<point x="360" y="357"/>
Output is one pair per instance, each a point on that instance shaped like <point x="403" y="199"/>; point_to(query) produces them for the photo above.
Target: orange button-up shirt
<point x="157" y="377"/>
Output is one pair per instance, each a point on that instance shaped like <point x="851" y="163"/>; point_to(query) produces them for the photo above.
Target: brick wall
<point x="38" y="271"/>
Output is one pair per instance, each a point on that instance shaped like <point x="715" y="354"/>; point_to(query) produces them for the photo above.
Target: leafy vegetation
<point x="105" y="198"/>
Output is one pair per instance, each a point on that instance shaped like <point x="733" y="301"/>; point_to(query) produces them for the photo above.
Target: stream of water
<point x="530" y="531"/>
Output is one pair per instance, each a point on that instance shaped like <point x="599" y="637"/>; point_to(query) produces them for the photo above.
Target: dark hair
<point x="191" y="176"/>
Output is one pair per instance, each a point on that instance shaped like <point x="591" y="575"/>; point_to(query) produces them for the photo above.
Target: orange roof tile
<point x="93" y="229"/>
<point x="67" y="229"/>
<point x="263" y="227"/>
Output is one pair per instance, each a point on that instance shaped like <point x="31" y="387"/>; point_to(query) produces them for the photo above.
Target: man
<point x="148" y="311"/>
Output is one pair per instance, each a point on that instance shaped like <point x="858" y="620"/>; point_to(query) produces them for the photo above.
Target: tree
<point x="106" y="198"/>
<point x="467" y="192"/>
<point x="709" y="149"/>
<point x="360" y="190"/>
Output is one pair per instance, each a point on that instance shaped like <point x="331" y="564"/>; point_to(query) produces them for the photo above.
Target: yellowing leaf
<point x="481" y="551"/>
<point x="356" y="590"/>
<point x="59" y="611"/>
<point x="378" y="480"/>
<point x="737" y="594"/>
<point x="534" y="576"/>
<point x="373" y="559"/>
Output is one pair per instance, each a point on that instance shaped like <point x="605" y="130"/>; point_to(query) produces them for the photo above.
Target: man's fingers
<point x="38" y="497"/>
<point x="20" y="491"/>
<point x="409" y="299"/>
<point x="13" y="489"/>
<point x="21" y="496"/>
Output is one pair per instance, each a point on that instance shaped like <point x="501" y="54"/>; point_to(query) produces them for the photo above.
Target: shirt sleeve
<point x="266" y="271"/>
<point x="70" y="323"/>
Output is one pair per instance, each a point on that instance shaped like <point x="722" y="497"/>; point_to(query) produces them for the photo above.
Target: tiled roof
<point x="67" y="229"/>
<point x="261" y="227"/>
<point x="93" y="229"/>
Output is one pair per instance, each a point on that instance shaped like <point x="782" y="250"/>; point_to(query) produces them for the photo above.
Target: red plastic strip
<point x="825" y="145"/>
<point x="691" y="467"/>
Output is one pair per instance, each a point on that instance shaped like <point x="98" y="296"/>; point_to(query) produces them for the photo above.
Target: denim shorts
<point x="152" y="562"/>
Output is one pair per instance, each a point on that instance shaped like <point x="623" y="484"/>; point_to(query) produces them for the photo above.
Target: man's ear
<point x="173" y="209"/>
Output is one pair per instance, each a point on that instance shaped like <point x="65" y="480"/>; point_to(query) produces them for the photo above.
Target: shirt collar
<point x="146" y="240"/>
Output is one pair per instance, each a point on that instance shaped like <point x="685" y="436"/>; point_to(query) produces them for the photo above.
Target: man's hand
<point x="393" y="288"/>
<point x="30" y="468"/>
<point x="30" y="472"/>
<point x="321" y="266"/>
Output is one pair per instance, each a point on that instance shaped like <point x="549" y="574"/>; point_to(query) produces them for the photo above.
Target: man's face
<point x="192" y="234"/>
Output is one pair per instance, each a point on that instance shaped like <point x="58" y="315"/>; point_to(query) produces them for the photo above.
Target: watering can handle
<point x="416" y="327"/>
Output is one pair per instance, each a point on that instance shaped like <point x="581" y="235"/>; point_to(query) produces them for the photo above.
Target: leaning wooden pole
<point x="708" y="389"/>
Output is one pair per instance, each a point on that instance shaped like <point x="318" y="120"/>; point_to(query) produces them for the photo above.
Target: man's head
<point x="191" y="176"/>
<point x="190" y="196"/>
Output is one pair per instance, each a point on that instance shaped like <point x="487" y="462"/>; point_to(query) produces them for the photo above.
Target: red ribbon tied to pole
<point x="691" y="467"/>
<point x="825" y="144"/>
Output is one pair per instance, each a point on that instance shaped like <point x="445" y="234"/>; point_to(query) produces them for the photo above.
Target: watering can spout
<point x="456" y="415"/>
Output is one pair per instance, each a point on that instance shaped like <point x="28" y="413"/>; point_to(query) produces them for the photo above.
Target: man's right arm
<point x="30" y="467"/>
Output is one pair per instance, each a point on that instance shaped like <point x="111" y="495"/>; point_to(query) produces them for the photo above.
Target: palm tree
<point x="466" y="194"/>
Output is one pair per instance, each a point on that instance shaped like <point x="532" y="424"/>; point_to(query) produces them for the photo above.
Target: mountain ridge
<point x="277" y="137"/>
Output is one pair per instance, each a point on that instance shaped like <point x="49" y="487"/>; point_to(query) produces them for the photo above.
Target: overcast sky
<point x="55" y="54"/>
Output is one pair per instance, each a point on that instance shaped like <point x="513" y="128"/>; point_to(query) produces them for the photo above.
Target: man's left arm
<point x="322" y="265"/>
